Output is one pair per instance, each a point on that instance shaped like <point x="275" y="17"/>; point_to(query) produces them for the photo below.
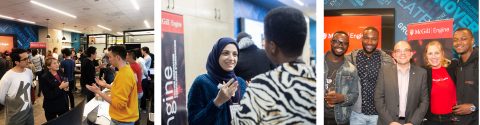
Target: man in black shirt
<point x="467" y="77"/>
<point x="88" y="71"/>
<point x="368" y="62"/>
<point x="254" y="61"/>
<point x="340" y="92"/>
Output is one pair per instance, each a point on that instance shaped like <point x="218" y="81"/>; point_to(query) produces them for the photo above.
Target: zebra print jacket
<point x="285" y="95"/>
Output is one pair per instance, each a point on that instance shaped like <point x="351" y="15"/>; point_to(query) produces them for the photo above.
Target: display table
<point x="103" y="115"/>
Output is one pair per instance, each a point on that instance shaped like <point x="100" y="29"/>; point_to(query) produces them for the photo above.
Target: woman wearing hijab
<point x="207" y="104"/>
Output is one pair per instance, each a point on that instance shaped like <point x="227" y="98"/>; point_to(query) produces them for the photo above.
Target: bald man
<point x="401" y="95"/>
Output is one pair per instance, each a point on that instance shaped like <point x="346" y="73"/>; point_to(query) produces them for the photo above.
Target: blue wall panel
<point x="25" y="33"/>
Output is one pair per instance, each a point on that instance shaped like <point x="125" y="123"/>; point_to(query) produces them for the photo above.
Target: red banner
<point x="420" y="34"/>
<point x="172" y="23"/>
<point x="38" y="45"/>
<point x="174" y="104"/>
<point x="353" y="27"/>
<point x="429" y="30"/>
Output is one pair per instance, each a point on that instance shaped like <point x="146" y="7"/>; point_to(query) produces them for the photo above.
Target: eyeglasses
<point x="402" y="50"/>
<point x="337" y="42"/>
<point x="25" y="59"/>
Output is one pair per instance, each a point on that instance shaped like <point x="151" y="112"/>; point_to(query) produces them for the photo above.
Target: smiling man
<point x="368" y="62"/>
<point x="467" y="77"/>
<point x="401" y="94"/>
<point x="337" y="101"/>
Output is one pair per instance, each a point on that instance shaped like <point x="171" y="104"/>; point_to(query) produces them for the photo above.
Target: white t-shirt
<point x="141" y="62"/>
<point x="55" y="55"/>
<point x="15" y="95"/>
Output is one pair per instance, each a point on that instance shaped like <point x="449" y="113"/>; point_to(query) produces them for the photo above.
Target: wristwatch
<point x="472" y="108"/>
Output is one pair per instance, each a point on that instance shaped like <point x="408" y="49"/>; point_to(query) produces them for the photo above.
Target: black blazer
<point x="55" y="99"/>
<point x="451" y="72"/>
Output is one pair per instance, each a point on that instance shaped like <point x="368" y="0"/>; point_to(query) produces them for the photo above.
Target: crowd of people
<point x="54" y="74"/>
<point x="369" y="87"/>
<point x="248" y="85"/>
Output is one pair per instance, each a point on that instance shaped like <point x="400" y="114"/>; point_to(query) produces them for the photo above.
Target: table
<point x="103" y="114"/>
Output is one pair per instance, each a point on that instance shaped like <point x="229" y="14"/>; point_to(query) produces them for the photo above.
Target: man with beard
<point x="467" y="78"/>
<point x="338" y="102"/>
<point x="368" y="62"/>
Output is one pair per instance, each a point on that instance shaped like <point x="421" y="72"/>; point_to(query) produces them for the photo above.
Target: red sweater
<point x="138" y="72"/>
<point x="444" y="92"/>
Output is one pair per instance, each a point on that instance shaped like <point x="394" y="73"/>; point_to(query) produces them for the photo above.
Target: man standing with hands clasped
<point x="467" y="78"/>
<point x="123" y="99"/>
<point x="401" y="94"/>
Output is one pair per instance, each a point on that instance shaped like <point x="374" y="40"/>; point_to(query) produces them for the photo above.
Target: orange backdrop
<point x="6" y="43"/>
<point x="354" y="26"/>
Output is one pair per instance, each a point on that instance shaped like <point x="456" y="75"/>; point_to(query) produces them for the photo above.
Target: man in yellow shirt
<point x="123" y="99"/>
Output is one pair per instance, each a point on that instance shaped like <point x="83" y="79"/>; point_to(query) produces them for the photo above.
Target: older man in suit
<point x="401" y="94"/>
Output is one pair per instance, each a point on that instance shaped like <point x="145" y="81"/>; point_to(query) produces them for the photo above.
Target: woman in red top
<point x="441" y="86"/>
<point x="49" y="54"/>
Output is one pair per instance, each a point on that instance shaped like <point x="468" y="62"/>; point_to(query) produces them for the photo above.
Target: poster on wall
<point x="354" y="29"/>
<point x="41" y="47"/>
<point x="173" y="99"/>
<point x="6" y="43"/>
<point x="420" y="34"/>
<point x="464" y="12"/>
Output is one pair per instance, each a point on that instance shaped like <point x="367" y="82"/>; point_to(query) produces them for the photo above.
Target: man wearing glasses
<point x="15" y="90"/>
<point x="367" y="61"/>
<point x="401" y="94"/>
<point x="341" y="82"/>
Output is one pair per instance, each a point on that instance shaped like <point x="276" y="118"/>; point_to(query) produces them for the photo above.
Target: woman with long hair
<point x="441" y="85"/>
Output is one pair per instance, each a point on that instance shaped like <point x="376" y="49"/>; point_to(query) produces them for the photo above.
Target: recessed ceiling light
<point x="299" y="2"/>
<point x="2" y="16"/>
<point x="146" y="23"/>
<point x="120" y="33"/>
<point x="71" y="30"/>
<point x="53" y="9"/>
<point x="134" y="2"/>
<point x="105" y="28"/>
<point x="26" y="21"/>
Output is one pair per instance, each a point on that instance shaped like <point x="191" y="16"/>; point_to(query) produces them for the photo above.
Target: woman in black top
<point x="54" y="90"/>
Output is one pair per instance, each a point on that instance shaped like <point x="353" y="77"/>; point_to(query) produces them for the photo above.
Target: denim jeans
<point x="90" y="94"/>
<point x="115" y="122"/>
<point x="143" y="103"/>
<point x="361" y="119"/>
<point x="140" y="95"/>
<point x="39" y="75"/>
<point x="109" y="78"/>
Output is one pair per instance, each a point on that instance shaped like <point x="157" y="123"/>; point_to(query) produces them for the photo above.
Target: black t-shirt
<point x="330" y="82"/>
<point x="87" y="72"/>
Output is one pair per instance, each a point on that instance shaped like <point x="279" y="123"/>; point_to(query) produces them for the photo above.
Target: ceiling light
<point x="75" y="38"/>
<point x="120" y="33"/>
<point x="146" y="23"/>
<point x="71" y="30"/>
<point x="134" y="2"/>
<point x="63" y="33"/>
<point x="48" y="36"/>
<point x="299" y="2"/>
<point x="26" y="21"/>
<point x="104" y="27"/>
<point x="7" y="17"/>
<point x="53" y="9"/>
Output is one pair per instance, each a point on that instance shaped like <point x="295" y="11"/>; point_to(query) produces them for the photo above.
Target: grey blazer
<point x="387" y="95"/>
